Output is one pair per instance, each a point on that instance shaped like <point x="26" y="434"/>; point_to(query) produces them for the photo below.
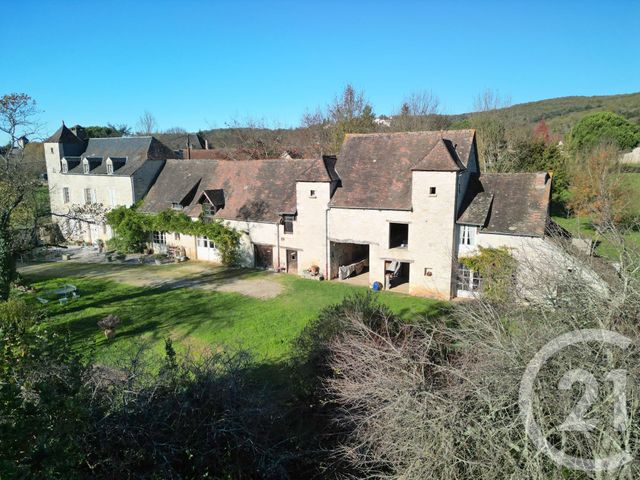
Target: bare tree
<point x="146" y="124"/>
<point x="489" y="100"/>
<point x="256" y="139"/>
<point x="349" y="105"/>
<point x="175" y="131"/>
<point x="18" y="182"/>
<point x="418" y="111"/>
<point x="316" y="128"/>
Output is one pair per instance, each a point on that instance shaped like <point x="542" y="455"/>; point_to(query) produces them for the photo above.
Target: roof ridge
<point x="416" y="132"/>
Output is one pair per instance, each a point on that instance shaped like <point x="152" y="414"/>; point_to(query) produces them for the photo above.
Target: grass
<point x="582" y="227"/>
<point x="196" y="318"/>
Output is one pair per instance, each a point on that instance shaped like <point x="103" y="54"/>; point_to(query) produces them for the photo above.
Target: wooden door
<point x="292" y="261"/>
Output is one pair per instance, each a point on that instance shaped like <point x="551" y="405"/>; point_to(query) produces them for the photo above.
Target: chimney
<point x="79" y="132"/>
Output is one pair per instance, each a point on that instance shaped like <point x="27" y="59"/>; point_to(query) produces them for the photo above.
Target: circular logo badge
<point x="574" y="421"/>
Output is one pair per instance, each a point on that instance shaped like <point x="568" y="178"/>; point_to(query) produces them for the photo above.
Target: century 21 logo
<point x="575" y="421"/>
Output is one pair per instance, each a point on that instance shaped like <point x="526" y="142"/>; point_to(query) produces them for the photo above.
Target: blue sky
<point x="198" y="64"/>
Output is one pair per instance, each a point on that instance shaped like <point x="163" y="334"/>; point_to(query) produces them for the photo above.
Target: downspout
<point x="326" y="245"/>
<point x="278" y="243"/>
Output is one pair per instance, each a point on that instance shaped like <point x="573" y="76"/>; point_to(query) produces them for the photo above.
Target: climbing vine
<point x="131" y="230"/>
<point x="497" y="267"/>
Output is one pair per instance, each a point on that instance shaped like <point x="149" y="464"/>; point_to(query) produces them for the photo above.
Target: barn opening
<point x="350" y="261"/>
<point x="396" y="275"/>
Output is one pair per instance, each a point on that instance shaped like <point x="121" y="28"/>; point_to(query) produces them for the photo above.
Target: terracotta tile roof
<point x="375" y="169"/>
<point x="257" y="190"/>
<point x="519" y="206"/>
<point x="477" y="211"/>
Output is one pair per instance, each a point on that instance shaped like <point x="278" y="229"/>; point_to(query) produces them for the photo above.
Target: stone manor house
<point x="396" y="208"/>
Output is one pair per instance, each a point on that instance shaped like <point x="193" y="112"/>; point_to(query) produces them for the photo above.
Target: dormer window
<point x="177" y="206"/>
<point x="64" y="167"/>
<point x="113" y="164"/>
<point x="211" y="201"/>
<point x="208" y="209"/>
<point x="85" y="166"/>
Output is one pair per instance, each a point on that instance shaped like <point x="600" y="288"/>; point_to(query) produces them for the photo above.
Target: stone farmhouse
<point x="98" y="171"/>
<point x="394" y="208"/>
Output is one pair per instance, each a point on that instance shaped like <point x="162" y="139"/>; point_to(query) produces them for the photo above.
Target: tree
<point x="111" y="130"/>
<point x="603" y="127"/>
<point x="489" y="100"/>
<point x="541" y="131"/>
<point x="598" y="190"/>
<point x="350" y="112"/>
<point x="418" y="111"/>
<point x="18" y="181"/>
<point x="492" y="143"/>
<point x="146" y="124"/>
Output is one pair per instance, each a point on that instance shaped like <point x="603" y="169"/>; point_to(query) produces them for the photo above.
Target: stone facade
<point x="392" y="208"/>
<point x="140" y="160"/>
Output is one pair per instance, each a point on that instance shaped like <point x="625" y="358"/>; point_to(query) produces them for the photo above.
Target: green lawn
<point x="195" y="318"/>
<point x="581" y="226"/>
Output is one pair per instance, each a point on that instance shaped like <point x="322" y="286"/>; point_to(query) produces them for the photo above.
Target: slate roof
<point x="64" y="135"/>
<point x="129" y="152"/>
<point x="375" y="168"/>
<point x="519" y="203"/>
<point x="257" y="190"/>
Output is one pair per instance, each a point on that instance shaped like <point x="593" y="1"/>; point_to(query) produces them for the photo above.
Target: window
<point x="467" y="235"/>
<point x="178" y="206"/>
<point x="208" y="209"/>
<point x="85" y="166"/>
<point x="89" y="196"/>
<point x="64" y="168"/>
<point x="288" y="223"/>
<point x="398" y="235"/>
<point x="432" y="191"/>
<point x="51" y="149"/>
<point x="204" y="242"/>
<point x="112" y="198"/>
<point x="176" y="236"/>
<point x="160" y="238"/>
<point x="312" y="193"/>
<point x="109" y="168"/>
<point x="467" y="279"/>
<point x="66" y="197"/>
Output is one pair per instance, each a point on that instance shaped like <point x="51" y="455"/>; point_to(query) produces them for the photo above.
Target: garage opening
<point x="396" y="276"/>
<point x="350" y="262"/>
<point x="263" y="255"/>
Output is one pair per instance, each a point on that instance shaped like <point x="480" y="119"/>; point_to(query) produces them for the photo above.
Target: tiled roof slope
<point x="257" y="190"/>
<point x="519" y="206"/>
<point x="375" y="169"/>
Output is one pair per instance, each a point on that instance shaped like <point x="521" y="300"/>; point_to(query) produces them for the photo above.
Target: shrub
<point x="497" y="269"/>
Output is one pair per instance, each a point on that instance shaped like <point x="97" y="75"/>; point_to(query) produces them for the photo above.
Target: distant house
<point x="104" y="171"/>
<point x="395" y="208"/>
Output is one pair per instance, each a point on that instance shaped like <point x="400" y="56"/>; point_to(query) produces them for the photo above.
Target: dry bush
<point x="440" y="399"/>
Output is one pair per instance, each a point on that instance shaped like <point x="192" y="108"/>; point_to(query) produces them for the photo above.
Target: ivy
<point x="131" y="229"/>
<point x="497" y="267"/>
